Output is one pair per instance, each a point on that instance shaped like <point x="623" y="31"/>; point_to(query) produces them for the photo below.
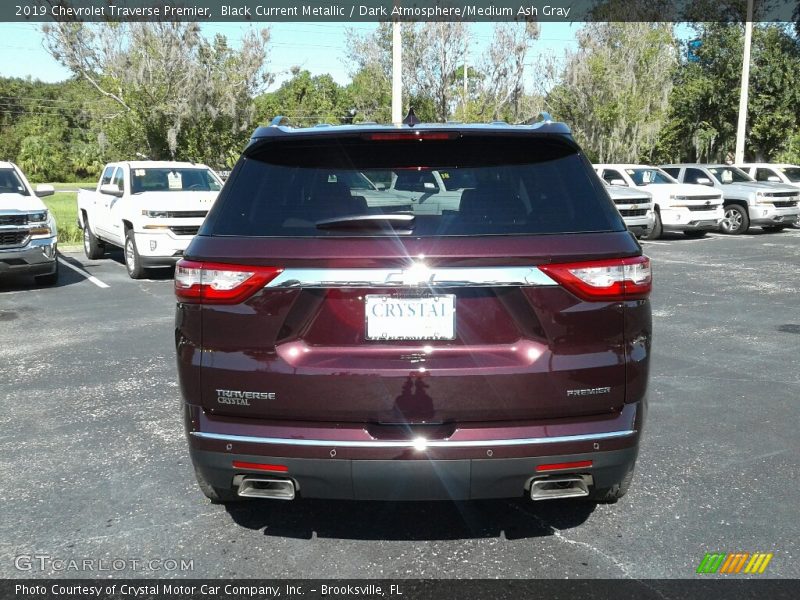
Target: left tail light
<point x="219" y="283"/>
<point x="605" y="280"/>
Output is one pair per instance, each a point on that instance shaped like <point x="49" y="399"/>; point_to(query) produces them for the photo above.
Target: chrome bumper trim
<point x="419" y="443"/>
<point x="415" y="276"/>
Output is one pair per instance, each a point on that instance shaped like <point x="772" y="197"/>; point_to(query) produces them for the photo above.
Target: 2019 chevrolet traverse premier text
<point x="493" y="345"/>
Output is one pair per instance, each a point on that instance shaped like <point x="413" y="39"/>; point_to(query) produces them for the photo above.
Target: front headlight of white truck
<point x="763" y="198"/>
<point x="41" y="224"/>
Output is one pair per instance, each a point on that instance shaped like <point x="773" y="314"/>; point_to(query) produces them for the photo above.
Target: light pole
<point x="748" y="40"/>
<point x="397" y="74"/>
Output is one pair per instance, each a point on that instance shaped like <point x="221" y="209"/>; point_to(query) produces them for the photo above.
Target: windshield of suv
<point x="648" y="176"/>
<point x="730" y="175"/>
<point x="493" y="186"/>
<point x="11" y="184"/>
<point x="173" y="180"/>
<point x="792" y="173"/>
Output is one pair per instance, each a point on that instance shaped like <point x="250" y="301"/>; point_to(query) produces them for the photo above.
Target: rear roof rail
<point x="542" y="123"/>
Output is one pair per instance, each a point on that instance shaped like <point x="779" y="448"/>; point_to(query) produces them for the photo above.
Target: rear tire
<point x="657" y="229"/>
<point x="92" y="246"/>
<point x="736" y="220"/>
<point x="215" y="494"/>
<point x="611" y="494"/>
<point x="133" y="262"/>
<point x="695" y="235"/>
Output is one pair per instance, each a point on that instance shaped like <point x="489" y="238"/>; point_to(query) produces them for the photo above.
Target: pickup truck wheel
<point x="215" y="494"/>
<point x="657" y="229"/>
<point x="695" y="234"/>
<point x="50" y="278"/>
<point x="92" y="246"/>
<point x="736" y="220"/>
<point x="133" y="261"/>
<point x="611" y="494"/>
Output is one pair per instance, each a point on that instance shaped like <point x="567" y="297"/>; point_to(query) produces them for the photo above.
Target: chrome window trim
<point x="561" y="439"/>
<point x="413" y="276"/>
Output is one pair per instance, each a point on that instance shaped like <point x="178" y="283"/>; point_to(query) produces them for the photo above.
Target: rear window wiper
<point x="399" y="220"/>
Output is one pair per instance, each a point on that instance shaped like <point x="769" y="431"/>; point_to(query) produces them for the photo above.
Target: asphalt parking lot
<point x="95" y="464"/>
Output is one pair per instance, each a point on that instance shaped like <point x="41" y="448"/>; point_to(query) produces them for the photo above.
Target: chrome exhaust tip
<point x="560" y="486"/>
<point x="260" y="487"/>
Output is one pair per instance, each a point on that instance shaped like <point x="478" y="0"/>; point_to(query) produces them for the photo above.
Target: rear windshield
<point x="11" y="184"/>
<point x="173" y="180"/>
<point x="358" y="187"/>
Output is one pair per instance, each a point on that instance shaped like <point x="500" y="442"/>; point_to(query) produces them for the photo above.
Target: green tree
<point x="615" y="88"/>
<point x="306" y="100"/>
<point x="704" y="103"/>
<point x="180" y="95"/>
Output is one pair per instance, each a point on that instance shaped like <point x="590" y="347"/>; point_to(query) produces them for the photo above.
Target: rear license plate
<point x="429" y="318"/>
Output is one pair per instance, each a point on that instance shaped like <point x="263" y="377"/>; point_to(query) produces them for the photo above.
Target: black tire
<point x="695" y="235"/>
<point x="657" y="229"/>
<point x="133" y="262"/>
<point x="215" y="494"/>
<point x="92" y="246"/>
<point x="50" y="278"/>
<point x="773" y="228"/>
<point x="736" y="220"/>
<point x="611" y="494"/>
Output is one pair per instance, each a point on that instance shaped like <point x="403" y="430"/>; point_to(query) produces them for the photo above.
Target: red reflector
<point x="238" y="464"/>
<point x="578" y="464"/>
<point x="219" y="283"/>
<point x="413" y="135"/>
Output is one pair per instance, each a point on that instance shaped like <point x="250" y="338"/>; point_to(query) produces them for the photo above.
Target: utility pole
<point x="397" y="74"/>
<point x="748" y="40"/>
<point x="466" y="51"/>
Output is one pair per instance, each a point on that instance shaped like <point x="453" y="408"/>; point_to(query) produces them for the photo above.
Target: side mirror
<point x="111" y="189"/>
<point x="774" y="178"/>
<point x="43" y="190"/>
<point x="704" y="181"/>
<point x="428" y="186"/>
<point x="380" y="187"/>
<point x="617" y="182"/>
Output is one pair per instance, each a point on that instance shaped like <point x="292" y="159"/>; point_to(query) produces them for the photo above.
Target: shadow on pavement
<point x="410" y="521"/>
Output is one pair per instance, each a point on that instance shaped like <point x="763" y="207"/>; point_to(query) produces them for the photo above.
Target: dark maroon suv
<point x="413" y="313"/>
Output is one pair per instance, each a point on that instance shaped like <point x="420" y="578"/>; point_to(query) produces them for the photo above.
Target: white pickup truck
<point x="28" y="236"/>
<point x="150" y="209"/>
<point x="692" y="209"/>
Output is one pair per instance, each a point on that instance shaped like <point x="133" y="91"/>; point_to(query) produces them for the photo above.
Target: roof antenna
<point x="411" y="118"/>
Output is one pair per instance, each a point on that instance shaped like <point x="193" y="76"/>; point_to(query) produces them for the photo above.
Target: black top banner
<point x="396" y="10"/>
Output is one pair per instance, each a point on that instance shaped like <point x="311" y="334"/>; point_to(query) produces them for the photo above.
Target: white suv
<point x="692" y="209"/>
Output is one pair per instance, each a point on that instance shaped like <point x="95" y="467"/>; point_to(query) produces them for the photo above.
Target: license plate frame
<point x="382" y="327"/>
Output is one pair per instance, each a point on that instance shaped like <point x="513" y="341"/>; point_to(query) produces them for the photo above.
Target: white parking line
<point x="91" y="278"/>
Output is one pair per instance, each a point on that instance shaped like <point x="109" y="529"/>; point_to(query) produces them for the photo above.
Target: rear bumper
<point x="422" y="479"/>
<point x="474" y="463"/>
<point x="38" y="257"/>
